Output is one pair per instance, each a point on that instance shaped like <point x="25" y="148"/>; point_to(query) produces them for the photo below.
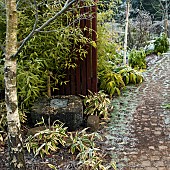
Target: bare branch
<point x="72" y="23"/>
<point x="66" y="3"/>
<point x="31" y="33"/>
<point x="163" y="10"/>
<point x="66" y="6"/>
<point x="18" y="3"/>
<point x="158" y="9"/>
<point x="64" y="9"/>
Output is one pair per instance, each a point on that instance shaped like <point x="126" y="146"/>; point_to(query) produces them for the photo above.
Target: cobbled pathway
<point x="140" y="125"/>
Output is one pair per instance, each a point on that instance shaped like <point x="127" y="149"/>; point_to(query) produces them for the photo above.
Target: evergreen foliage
<point x="96" y="104"/>
<point x="136" y="59"/>
<point x="161" y="44"/>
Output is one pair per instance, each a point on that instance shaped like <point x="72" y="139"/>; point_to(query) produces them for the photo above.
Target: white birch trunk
<point x="126" y="31"/>
<point x="16" y="156"/>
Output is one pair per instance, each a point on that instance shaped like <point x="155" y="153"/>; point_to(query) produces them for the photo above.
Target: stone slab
<point x="67" y="109"/>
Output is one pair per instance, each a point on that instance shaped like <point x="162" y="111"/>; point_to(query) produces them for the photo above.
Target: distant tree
<point x="159" y="10"/>
<point x="164" y="11"/>
<point x="152" y="6"/>
<point x="139" y="30"/>
<point x="126" y="30"/>
<point x="135" y="4"/>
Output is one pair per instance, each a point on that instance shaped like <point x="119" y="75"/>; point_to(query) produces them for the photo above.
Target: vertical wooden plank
<point x="78" y="64"/>
<point x="83" y="63"/>
<point x="67" y="86"/>
<point x="82" y="21"/>
<point x="88" y="48"/>
<point x="78" y="83"/>
<point x="61" y="90"/>
<point x="72" y="81"/>
<point x="94" y="50"/>
<point x="83" y="77"/>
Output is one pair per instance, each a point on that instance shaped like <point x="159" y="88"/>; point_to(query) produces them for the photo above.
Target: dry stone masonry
<point x="67" y="109"/>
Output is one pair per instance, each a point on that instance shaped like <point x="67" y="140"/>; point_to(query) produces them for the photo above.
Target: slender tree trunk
<point x="166" y="18"/>
<point x="15" y="148"/>
<point x="126" y="31"/>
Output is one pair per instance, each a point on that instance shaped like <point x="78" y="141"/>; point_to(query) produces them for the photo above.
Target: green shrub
<point x="53" y="51"/>
<point x="108" y="48"/>
<point x="149" y="52"/>
<point x="166" y="106"/>
<point x="129" y="75"/>
<point x="46" y="141"/>
<point x="112" y="83"/>
<point x="136" y="59"/>
<point x="161" y="44"/>
<point x="81" y="141"/>
<point x="96" y="104"/>
<point x="96" y="162"/>
<point x="108" y="58"/>
<point x="88" y="155"/>
<point x="117" y="78"/>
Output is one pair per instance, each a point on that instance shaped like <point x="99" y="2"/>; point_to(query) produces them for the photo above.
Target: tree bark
<point x="15" y="147"/>
<point x="126" y="31"/>
<point x="166" y="18"/>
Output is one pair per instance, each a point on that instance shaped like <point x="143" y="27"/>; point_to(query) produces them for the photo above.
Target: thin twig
<point x="66" y="6"/>
<point x="31" y="33"/>
<point x="82" y="17"/>
<point x="64" y="9"/>
<point x="17" y="3"/>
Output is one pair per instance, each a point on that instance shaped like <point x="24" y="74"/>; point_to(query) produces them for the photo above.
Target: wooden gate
<point x="84" y="76"/>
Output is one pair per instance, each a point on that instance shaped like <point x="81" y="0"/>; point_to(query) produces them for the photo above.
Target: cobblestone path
<point x="141" y="132"/>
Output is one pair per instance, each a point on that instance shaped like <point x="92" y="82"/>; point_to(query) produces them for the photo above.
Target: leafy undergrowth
<point x="82" y="150"/>
<point x="55" y="148"/>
